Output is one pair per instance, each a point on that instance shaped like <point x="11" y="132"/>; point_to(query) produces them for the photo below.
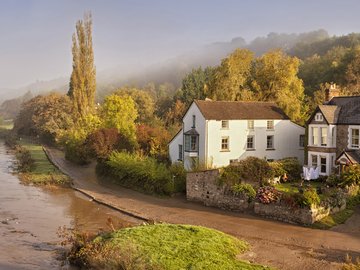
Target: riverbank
<point x="273" y="243"/>
<point x="43" y="172"/>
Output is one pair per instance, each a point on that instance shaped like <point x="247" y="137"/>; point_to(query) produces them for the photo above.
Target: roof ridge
<point x="236" y="101"/>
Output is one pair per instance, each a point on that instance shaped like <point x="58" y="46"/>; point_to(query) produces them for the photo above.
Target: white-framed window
<point x="224" y="124"/>
<point x="191" y="143"/>
<point x="270" y="142"/>
<point x="224" y="143"/>
<point x="270" y="124"/>
<point x="180" y="152"/>
<point x="354" y="140"/>
<point x="323" y="131"/>
<point x="319" y="117"/>
<point x="322" y="164"/>
<point x="193" y="121"/>
<point x="302" y="140"/>
<point x="250" y="124"/>
<point x="250" y="143"/>
<point x="314" y="161"/>
<point x="315" y="136"/>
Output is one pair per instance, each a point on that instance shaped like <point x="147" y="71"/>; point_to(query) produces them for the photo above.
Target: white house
<point x="216" y="133"/>
<point x="333" y="131"/>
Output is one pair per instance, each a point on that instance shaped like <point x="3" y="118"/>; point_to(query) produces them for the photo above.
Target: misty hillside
<point x="173" y="70"/>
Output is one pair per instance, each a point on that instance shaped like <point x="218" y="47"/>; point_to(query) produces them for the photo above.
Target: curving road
<point x="273" y="243"/>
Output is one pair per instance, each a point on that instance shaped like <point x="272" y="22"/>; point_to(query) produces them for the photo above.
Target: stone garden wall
<point x="203" y="187"/>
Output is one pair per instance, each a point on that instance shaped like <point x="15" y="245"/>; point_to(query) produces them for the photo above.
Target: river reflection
<point x="30" y="217"/>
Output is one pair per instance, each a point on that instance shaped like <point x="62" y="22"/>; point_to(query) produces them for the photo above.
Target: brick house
<point x="333" y="133"/>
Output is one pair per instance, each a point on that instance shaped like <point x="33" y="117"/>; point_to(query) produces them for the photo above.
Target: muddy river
<point x="30" y="218"/>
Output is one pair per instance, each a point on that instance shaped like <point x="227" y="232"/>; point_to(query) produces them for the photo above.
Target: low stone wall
<point x="289" y="214"/>
<point x="203" y="187"/>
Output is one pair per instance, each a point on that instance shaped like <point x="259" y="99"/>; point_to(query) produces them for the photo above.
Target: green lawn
<point x="293" y="187"/>
<point x="7" y="125"/>
<point x="165" y="246"/>
<point x="44" y="171"/>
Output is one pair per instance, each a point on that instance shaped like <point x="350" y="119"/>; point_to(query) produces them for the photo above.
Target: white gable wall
<point x="200" y="126"/>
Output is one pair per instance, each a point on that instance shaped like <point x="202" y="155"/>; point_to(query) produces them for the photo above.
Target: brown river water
<point x="30" y="217"/>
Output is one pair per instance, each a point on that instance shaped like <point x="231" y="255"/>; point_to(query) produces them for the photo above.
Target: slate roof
<point x="348" y="109"/>
<point x="236" y="110"/>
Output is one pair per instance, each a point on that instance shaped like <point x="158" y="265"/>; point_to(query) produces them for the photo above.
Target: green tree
<point x="143" y="101"/>
<point x="274" y="78"/>
<point x="120" y="113"/>
<point x="195" y="84"/>
<point x="352" y="74"/>
<point x="231" y="77"/>
<point x="83" y="77"/>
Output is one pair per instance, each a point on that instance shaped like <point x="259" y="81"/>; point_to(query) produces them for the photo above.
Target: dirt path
<point x="273" y="243"/>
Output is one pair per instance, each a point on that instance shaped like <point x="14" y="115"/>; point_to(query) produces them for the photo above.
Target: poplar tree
<point x="83" y="77"/>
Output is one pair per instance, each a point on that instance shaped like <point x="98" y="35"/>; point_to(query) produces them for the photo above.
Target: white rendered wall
<point x="200" y="126"/>
<point x="174" y="147"/>
<point x="286" y="141"/>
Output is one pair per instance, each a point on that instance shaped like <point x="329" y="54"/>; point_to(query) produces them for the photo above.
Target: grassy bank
<point x="339" y="217"/>
<point x="161" y="246"/>
<point x="43" y="172"/>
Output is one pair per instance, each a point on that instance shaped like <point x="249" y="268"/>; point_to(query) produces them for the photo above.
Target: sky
<point x="35" y="41"/>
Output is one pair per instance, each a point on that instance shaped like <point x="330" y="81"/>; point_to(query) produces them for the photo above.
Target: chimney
<point x="332" y="91"/>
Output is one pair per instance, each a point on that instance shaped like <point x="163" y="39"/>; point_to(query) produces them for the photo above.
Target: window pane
<point x="323" y="164"/>
<point x="250" y="124"/>
<point x="193" y="143"/>
<point x="224" y="124"/>
<point x="355" y="138"/>
<point x="180" y="151"/>
<point x="224" y="143"/>
<point x="269" y="142"/>
<point x="314" y="160"/>
<point x="270" y="124"/>
<point x="315" y="136"/>
<point x="323" y="136"/>
<point x="250" y="142"/>
<point x="302" y="140"/>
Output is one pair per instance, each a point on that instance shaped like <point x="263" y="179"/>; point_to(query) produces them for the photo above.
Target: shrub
<point x="139" y="172"/>
<point x="25" y="161"/>
<point x="310" y="197"/>
<point x="351" y="176"/>
<point x="246" y="189"/>
<point x="277" y="168"/>
<point x="267" y="195"/>
<point x="179" y="175"/>
<point x="333" y="180"/>
<point x="292" y="167"/>
<point x="251" y="169"/>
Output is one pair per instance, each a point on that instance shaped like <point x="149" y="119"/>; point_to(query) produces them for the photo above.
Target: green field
<point x="165" y="246"/>
<point x="44" y="172"/>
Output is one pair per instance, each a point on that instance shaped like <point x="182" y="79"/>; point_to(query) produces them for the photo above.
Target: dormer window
<point x="319" y="117"/>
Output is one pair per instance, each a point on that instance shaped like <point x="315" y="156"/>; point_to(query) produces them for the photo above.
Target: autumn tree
<point x="83" y="77"/>
<point x="143" y="101"/>
<point x="120" y="113"/>
<point x="230" y="78"/>
<point x="274" y="78"/>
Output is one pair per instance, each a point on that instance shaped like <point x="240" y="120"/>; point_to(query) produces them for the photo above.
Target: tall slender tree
<point x="83" y="77"/>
